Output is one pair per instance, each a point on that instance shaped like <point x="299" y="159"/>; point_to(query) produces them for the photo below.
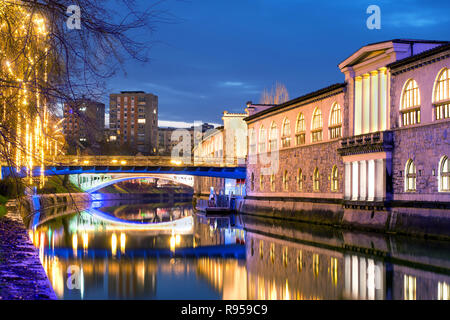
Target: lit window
<point x="410" y="107"/>
<point x="409" y="286"/>
<point x="142" y="121"/>
<point x="317" y="124"/>
<point x="410" y="176"/>
<point x="443" y="291"/>
<point x="442" y="95"/>
<point x="285" y="257"/>
<point x="252" y="184"/>
<point x="252" y="141"/>
<point x="334" y="179"/>
<point x="335" y="122"/>
<point x="299" y="180"/>
<point x="444" y="175"/>
<point x="261" y="182"/>
<point x="272" y="252"/>
<point x="316" y="180"/>
<point x="286" y="137"/>
<point x="262" y="139"/>
<point x="273" y="137"/>
<point x="272" y="182"/>
<point x="112" y="138"/>
<point x="285" y="180"/>
<point x="300" y="261"/>
<point x="300" y="130"/>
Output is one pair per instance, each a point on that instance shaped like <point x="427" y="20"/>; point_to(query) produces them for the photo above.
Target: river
<point x="130" y="250"/>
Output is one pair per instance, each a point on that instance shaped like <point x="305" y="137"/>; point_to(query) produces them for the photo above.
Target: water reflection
<point x="101" y="254"/>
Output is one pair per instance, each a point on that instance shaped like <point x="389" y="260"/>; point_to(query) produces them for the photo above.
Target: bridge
<point x="232" y="168"/>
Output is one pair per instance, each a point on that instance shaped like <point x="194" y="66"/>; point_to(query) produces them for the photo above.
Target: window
<point x="262" y="139"/>
<point x="317" y="124"/>
<point x="286" y="134"/>
<point x="334" y="179"/>
<point x="252" y="142"/>
<point x="410" y="107"/>
<point x="442" y="95"/>
<point x="272" y="182"/>
<point x="261" y="182"/>
<point x="409" y="287"/>
<point x="273" y="137"/>
<point x="300" y="130"/>
<point x="444" y="175"/>
<point x="299" y="180"/>
<point x="252" y="184"/>
<point x="285" y="180"/>
<point x="316" y="180"/>
<point x="410" y="176"/>
<point x="335" y="124"/>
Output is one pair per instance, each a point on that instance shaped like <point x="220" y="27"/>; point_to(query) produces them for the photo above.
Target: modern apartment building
<point x="84" y="121"/>
<point x="133" y="120"/>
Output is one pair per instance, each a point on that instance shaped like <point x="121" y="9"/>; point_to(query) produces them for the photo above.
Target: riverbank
<point x="22" y="276"/>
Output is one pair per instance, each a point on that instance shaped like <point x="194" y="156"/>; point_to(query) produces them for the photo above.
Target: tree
<point x="44" y="63"/>
<point x="277" y="95"/>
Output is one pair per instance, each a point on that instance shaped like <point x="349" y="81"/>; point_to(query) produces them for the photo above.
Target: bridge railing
<point x="146" y="161"/>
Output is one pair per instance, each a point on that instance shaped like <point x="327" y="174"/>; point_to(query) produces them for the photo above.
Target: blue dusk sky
<point x="219" y="54"/>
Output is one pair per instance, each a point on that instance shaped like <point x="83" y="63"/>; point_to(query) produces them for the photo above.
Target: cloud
<point x="166" y="89"/>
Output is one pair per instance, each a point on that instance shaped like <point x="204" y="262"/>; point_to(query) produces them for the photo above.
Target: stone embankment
<point x="22" y="276"/>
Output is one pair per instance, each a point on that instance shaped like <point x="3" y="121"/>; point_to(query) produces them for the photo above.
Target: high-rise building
<point x="84" y="121"/>
<point x="133" y="120"/>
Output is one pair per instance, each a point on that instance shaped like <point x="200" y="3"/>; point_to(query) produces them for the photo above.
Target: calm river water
<point x="125" y="250"/>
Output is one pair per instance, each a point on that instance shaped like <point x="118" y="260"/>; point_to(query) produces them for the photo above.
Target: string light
<point x="31" y="139"/>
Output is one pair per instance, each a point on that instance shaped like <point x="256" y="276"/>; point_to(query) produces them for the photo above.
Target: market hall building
<point x="371" y="152"/>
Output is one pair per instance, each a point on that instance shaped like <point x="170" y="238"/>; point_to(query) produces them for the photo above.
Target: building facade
<point x="370" y="152"/>
<point x="224" y="145"/>
<point x="133" y="116"/>
<point x="84" y="122"/>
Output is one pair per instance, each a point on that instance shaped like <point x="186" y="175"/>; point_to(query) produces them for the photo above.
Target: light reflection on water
<point x="186" y="256"/>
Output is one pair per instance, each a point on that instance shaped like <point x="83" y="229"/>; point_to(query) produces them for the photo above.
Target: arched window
<point x="300" y="130"/>
<point x="442" y="95"/>
<point x="335" y="123"/>
<point x="444" y="175"/>
<point x="252" y="142"/>
<point x="273" y="137"/>
<point x="334" y="179"/>
<point x="262" y="139"/>
<point x="410" y="176"/>
<point x="261" y="182"/>
<point x="316" y="180"/>
<point x="286" y="134"/>
<point x="299" y="180"/>
<point x="285" y="180"/>
<point x="410" y="105"/>
<point x="272" y="182"/>
<point x="252" y="184"/>
<point x="317" y="124"/>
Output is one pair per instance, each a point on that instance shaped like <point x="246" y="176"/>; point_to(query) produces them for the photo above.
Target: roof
<point x="419" y="56"/>
<point x="305" y="97"/>
<point x="382" y="45"/>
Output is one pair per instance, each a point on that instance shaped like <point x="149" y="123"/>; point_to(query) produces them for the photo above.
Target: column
<point x="383" y="99"/>
<point x="371" y="180"/>
<point x="348" y="180"/>
<point x="374" y="124"/>
<point x="355" y="178"/>
<point x="362" y="278"/>
<point x="380" y="177"/>
<point x="366" y="103"/>
<point x="358" y="106"/>
<point x="363" y="180"/>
